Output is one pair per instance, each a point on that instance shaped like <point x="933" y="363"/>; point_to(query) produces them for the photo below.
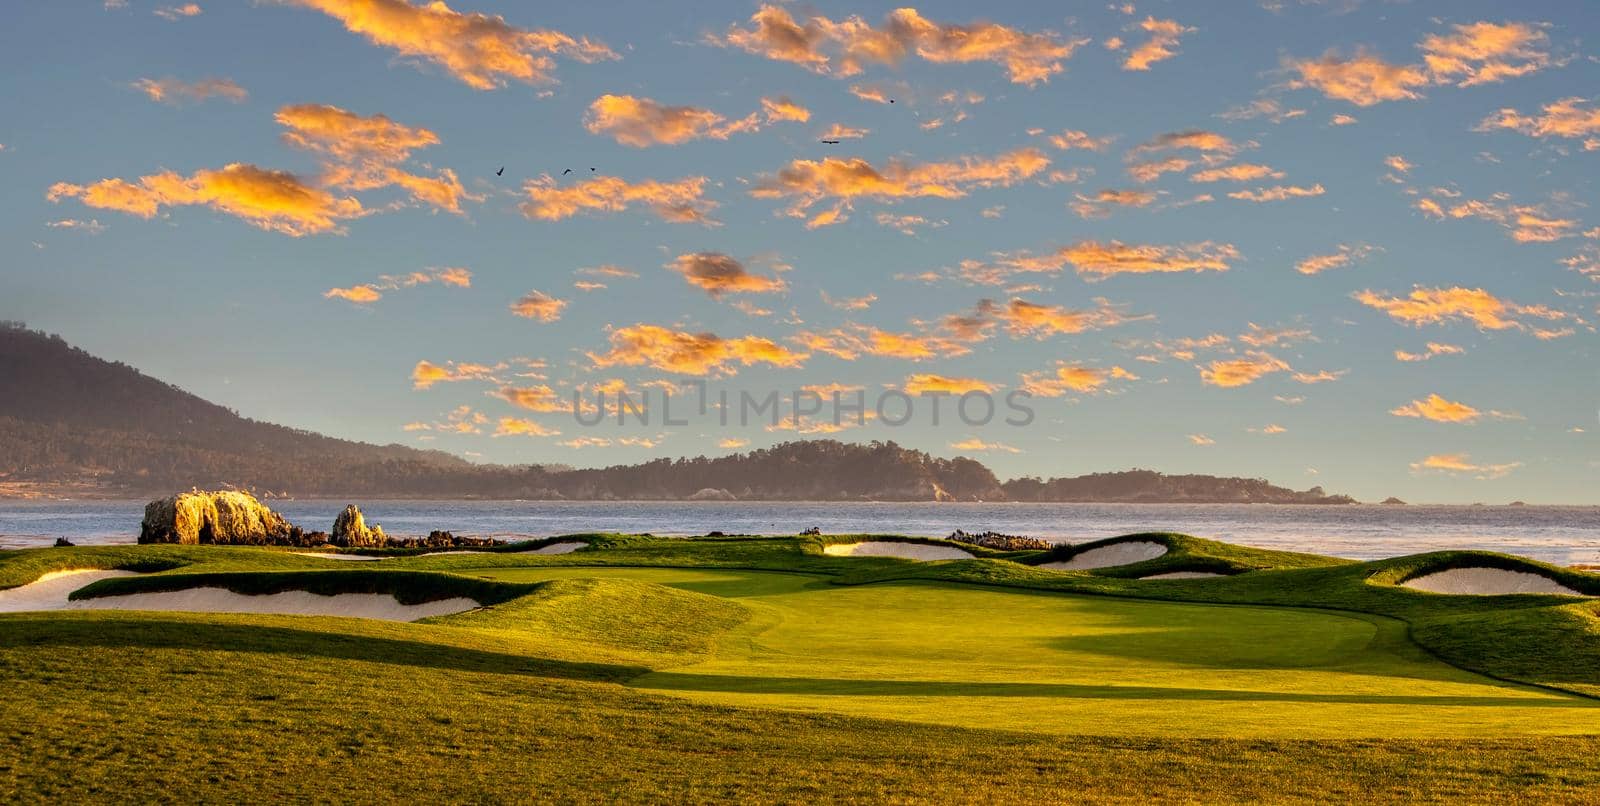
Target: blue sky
<point x="1448" y="148"/>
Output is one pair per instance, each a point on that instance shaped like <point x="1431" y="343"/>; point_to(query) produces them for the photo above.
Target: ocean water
<point x="1562" y="535"/>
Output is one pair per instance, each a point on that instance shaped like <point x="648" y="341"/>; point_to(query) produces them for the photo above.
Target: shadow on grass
<point x="820" y="686"/>
<point x="147" y="632"/>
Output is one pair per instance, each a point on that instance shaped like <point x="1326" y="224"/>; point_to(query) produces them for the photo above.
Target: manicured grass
<point x="762" y="669"/>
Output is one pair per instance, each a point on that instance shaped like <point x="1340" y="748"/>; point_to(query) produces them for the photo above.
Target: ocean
<point x="1564" y="535"/>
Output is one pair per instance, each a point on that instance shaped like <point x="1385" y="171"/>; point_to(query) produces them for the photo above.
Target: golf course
<point x="600" y="667"/>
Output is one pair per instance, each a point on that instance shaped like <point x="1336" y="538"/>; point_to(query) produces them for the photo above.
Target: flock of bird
<point x="502" y="170"/>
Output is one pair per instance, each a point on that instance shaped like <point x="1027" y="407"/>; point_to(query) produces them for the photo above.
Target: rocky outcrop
<point x="350" y="530"/>
<point x="223" y="517"/>
<point x="1001" y="542"/>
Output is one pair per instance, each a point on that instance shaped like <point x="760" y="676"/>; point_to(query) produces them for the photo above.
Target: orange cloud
<point x="1347" y="255"/>
<point x="641" y="122"/>
<point x="1238" y="172"/>
<point x="1096" y="260"/>
<point x="691" y="353"/>
<point x="174" y="91"/>
<point x="1100" y="204"/>
<point x="1479" y="53"/>
<point x="1439" y="410"/>
<point x="1526" y="223"/>
<point x="976" y="444"/>
<point x="783" y="109"/>
<point x="175" y="13"/>
<point x="1433" y="349"/>
<point x="907" y="224"/>
<point x="372" y="292"/>
<point x="809" y="182"/>
<point x="426" y="373"/>
<point x="681" y="201"/>
<point x="850" y="303"/>
<point x="539" y="305"/>
<point x="1567" y="117"/>
<point x="539" y="398"/>
<point x="1279" y="193"/>
<point x="1432" y="306"/>
<point x="1462" y="463"/>
<point x="1023" y="318"/>
<point x="362" y="152"/>
<point x="857" y="340"/>
<point x="518" y="427"/>
<point x="1160" y="46"/>
<point x="732" y="443"/>
<point x="1069" y="378"/>
<point x="1201" y="440"/>
<point x="276" y="201"/>
<point x="1152" y="170"/>
<point x="934" y="384"/>
<point x="480" y="50"/>
<point x="1242" y="371"/>
<point x="843" y="48"/>
<point x="718" y="274"/>
<point x="1072" y="138"/>
<point x="1364" y="79"/>
<point x="839" y="132"/>
<point x="1191" y="139"/>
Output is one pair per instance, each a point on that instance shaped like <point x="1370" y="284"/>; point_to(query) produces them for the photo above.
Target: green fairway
<point x="764" y="669"/>
<point x="983" y="657"/>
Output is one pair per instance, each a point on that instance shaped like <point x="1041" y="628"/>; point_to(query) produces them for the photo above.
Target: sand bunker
<point x="565" y="547"/>
<point x="1185" y="575"/>
<point x="50" y="592"/>
<point x="889" y="548"/>
<point x="1487" y="582"/>
<point x="328" y="555"/>
<point x="1125" y="553"/>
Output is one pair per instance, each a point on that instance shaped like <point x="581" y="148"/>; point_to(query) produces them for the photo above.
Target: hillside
<point x="72" y="422"/>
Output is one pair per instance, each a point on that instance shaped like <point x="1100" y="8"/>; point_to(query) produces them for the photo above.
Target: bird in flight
<point x="567" y="171"/>
<point x="501" y="171"/>
<point x="831" y="142"/>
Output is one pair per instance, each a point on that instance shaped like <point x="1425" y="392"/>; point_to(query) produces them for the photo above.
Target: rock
<point x="350" y="530"/>
<point x="713" y="494"/>
<point x="815" y="530"/>
<point x="63" y="543"/>
<point x="1394" y="502"/>
<point x="1000" y="542"/>
<point x="223" y="517"/>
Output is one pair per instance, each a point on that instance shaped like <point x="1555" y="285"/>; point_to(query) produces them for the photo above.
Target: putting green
<point x="1073" y="665"/>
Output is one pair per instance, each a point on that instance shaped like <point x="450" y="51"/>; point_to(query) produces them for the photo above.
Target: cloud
<point x="175" y="91"/>
<point x="1262" y="108"/>
<point x="1439" y="410"/>
<point x="92" y="226"/>
<point x="907" y="224"/>
<point x="1269" y="430"/>
<point x="607" y="270"/>
<point x="1072" y="138"/>
<point x="372" y="292"/>
<point x="1278" y="193"/>
<point x="363" y="152"/>
<point x="427" y="373"/>
<point x="1347" y="255"/>
<point x="1023" y="319"/>
<point x="807" y="183"/>
<point x="691" y="353"/>
<point x="1238" y="172"/>
<point x="1096" y="260"/>
<point x="718" y="274"/>
<point x="642" y="122"/>
<point x="1258" y="336"/>
<point x="482" y="51"/>
<point x="843" y="48"/>
<point x="1151" y="170"/>
<point x="1478" y="53"/>
<point x="518" y="427"/>
<point x="539" y="398"/>
<point x="1201" y="440"/>
<point x="1068" y="378"/>
<point x="839" y="132"/>
<point x="1160" y="46"/>
<point x="783" y="109"/>
<point x="1526" y="223"/>
<point x="976" y="444"/>
<point x="1342" y="120"/>
<point x="1242" y="371"/>
<point x="1567" y="118"/>
<point x="732" y="443"/>
<point x="1457" y="463"/>
<point x="1433" y="306"/>
<point x="276" y="201"/>
<point x="922" y="384"/>
<point x="860" y="303"/>
<point x="1432" y="350"/>
<point x="1101" y="203"/>
<point x="680" y="201"/>
<point x="538" y="305"/>
<point x="857" y="340"/>
<point x="175" y="13"/>
<point x="1206" y="142"/>
<point x="1324" y="376"/>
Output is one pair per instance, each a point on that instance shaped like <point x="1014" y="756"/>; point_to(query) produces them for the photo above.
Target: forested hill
<point x="70" y="420"/>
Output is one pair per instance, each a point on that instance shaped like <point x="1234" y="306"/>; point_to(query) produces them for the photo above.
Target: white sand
<point x="565" y="547"/>
<point x="1184" y="575"/>
<point x="293" y="603"/>
<point x="1126" y="553"/>
<point x="328" y="555"/>
<point x="50" y="591"/>
<point x="890" y="548"/>
<point x="1487" y="582"/>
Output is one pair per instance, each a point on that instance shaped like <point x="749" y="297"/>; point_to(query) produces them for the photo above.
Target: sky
<point x="1348" y="244"/>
